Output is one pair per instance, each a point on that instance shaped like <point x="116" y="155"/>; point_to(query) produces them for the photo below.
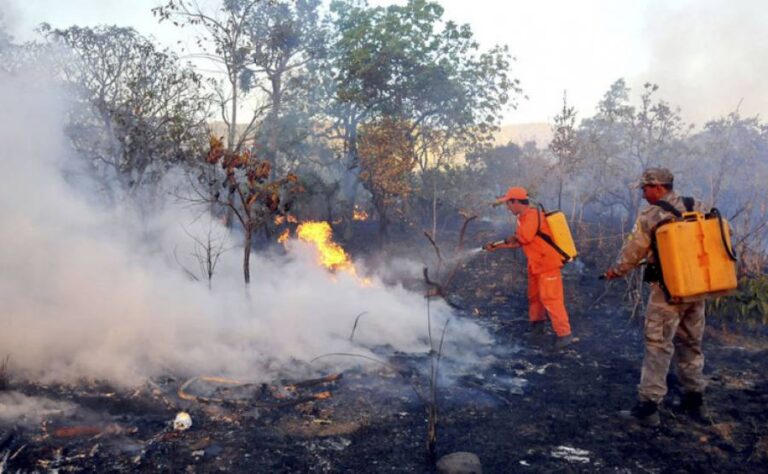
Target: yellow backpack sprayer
<point x="694" y="256"/>
<point x="562" y="239"/>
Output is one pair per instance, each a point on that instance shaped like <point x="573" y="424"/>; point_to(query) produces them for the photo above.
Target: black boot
<point x="692" y="404"/>
<point x="537" y="329"/>
<point x="563" y="342"/>
<point x="644" y="413"/>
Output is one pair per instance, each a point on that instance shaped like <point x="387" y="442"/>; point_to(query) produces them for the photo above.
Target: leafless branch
<point x="186" y="270"/>
<point x="354" y="327"/>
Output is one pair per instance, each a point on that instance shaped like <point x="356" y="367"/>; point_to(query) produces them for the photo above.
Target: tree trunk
<point x="274" y="130"/>
<point x="231" y="137"/>
<point x="247" y="254"/>
<point x="434" y="209"/>
<point x="380" y="206"/>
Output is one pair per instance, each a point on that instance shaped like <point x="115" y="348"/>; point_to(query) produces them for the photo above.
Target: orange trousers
<point x="545" y="295"/>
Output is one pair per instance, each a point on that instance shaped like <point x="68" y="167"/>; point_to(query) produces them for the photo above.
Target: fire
<point x="359" y="214"/>
<point x="332" y="256"/>
<point x="279" y="220"/>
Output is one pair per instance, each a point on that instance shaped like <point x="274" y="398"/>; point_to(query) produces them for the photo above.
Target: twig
<point x="187" y="271"/>
<point x="440" y="347"/>
<point x="437" y="290"/>
<point x="296" y="401"/>
<point x="467" y="220"/>
<point x="182" y="391"/>
<point x="373" y="359"/>
<point x="18" y="451"/>
<point x="354" y="327"/>
<point x="437" y="251"/>
<point x="160" y="394"/>
<point x="319" y="381"/>
<point x="602" y="295"/>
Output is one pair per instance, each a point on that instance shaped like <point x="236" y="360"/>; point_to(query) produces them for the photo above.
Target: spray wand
<point x="493" y="244"/>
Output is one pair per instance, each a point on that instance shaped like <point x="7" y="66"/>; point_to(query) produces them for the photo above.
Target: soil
<point x="531" y="410"/>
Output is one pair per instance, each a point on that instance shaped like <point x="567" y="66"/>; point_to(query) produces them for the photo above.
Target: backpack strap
<point x="566" y="258"/>
<point x="688" y="202"/>
<point x="728" y="249"/>
<point x="653" y="272"/>
<point x="669" y="208"/>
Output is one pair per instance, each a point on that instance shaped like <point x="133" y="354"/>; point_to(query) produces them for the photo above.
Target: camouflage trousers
<point x="671" y="331"/>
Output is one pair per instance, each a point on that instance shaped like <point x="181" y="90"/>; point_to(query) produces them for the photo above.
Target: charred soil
<point x="532" y="409"/>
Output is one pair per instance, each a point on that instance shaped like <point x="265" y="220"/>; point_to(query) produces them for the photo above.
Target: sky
<point x="708" y="56"/>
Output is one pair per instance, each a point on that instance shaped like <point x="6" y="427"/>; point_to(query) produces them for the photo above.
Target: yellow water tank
<point x="561" y="233"/>
<point x="696" y="257"/>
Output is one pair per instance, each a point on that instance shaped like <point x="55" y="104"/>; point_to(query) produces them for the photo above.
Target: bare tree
<point x="224" y="40"/>
<point x="259" y="198"/>
<point x="565" y="147"/>
<point x="207" y="251"/>
<point x="624" y="140"/>
<point x="288" y="39"/>
<point x="142" y="112"/>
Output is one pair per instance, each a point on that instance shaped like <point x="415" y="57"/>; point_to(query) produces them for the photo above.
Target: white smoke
<point x="709" y="55"/>
<point x="8" y="15"/>
<point x="94" y="292"/>
<point x="18" y="408"/>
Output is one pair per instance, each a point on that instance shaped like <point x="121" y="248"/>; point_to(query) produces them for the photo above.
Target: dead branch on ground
<point x="439" y="288"/>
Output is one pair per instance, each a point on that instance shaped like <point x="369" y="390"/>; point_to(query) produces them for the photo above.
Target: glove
<point x="611" y="274"/>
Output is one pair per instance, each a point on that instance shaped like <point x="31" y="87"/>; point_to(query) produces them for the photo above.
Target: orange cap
<point x="514" y="192"/>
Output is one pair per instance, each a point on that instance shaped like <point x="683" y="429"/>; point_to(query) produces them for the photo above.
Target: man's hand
<point x="611" y="274"/>
<point x="489" y="247"/>
<point x="512" y="241"/>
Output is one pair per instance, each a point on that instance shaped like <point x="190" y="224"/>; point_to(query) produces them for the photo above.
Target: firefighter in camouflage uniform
<point x="672" y="331"/>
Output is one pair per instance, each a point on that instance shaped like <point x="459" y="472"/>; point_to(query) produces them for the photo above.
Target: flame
<point x="332" y="256"/>
<point x="359" y="214"/>
<point x="279" y="220"/>
<point x="322" y="395"/>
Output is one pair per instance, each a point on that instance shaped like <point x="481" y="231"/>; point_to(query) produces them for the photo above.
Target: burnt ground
<point x="529" y="409"/>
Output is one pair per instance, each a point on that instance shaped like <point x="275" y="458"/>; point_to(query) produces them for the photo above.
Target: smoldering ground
<point x="91" y="291"/>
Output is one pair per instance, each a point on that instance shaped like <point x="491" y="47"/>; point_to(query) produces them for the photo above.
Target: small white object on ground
<point x="571" y="454"/>
<point x="182" y="421"/>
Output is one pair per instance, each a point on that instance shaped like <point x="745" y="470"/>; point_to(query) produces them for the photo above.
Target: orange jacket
<point x="541" y="256"/>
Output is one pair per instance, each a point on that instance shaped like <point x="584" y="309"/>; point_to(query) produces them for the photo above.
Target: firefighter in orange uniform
<point x="545" y="283"/>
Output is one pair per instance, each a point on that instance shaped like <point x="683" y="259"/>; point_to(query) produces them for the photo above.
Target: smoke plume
<point x="90" y="291"/>
<point x="709" y="55"/>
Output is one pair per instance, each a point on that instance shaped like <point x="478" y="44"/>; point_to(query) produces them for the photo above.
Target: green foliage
<point x="407" y="62"/>
<point x="749" y="305"/>
<point x="140" y="110"/>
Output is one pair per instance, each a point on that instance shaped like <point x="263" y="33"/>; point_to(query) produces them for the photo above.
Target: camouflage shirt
<point x="638" y="244"/>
